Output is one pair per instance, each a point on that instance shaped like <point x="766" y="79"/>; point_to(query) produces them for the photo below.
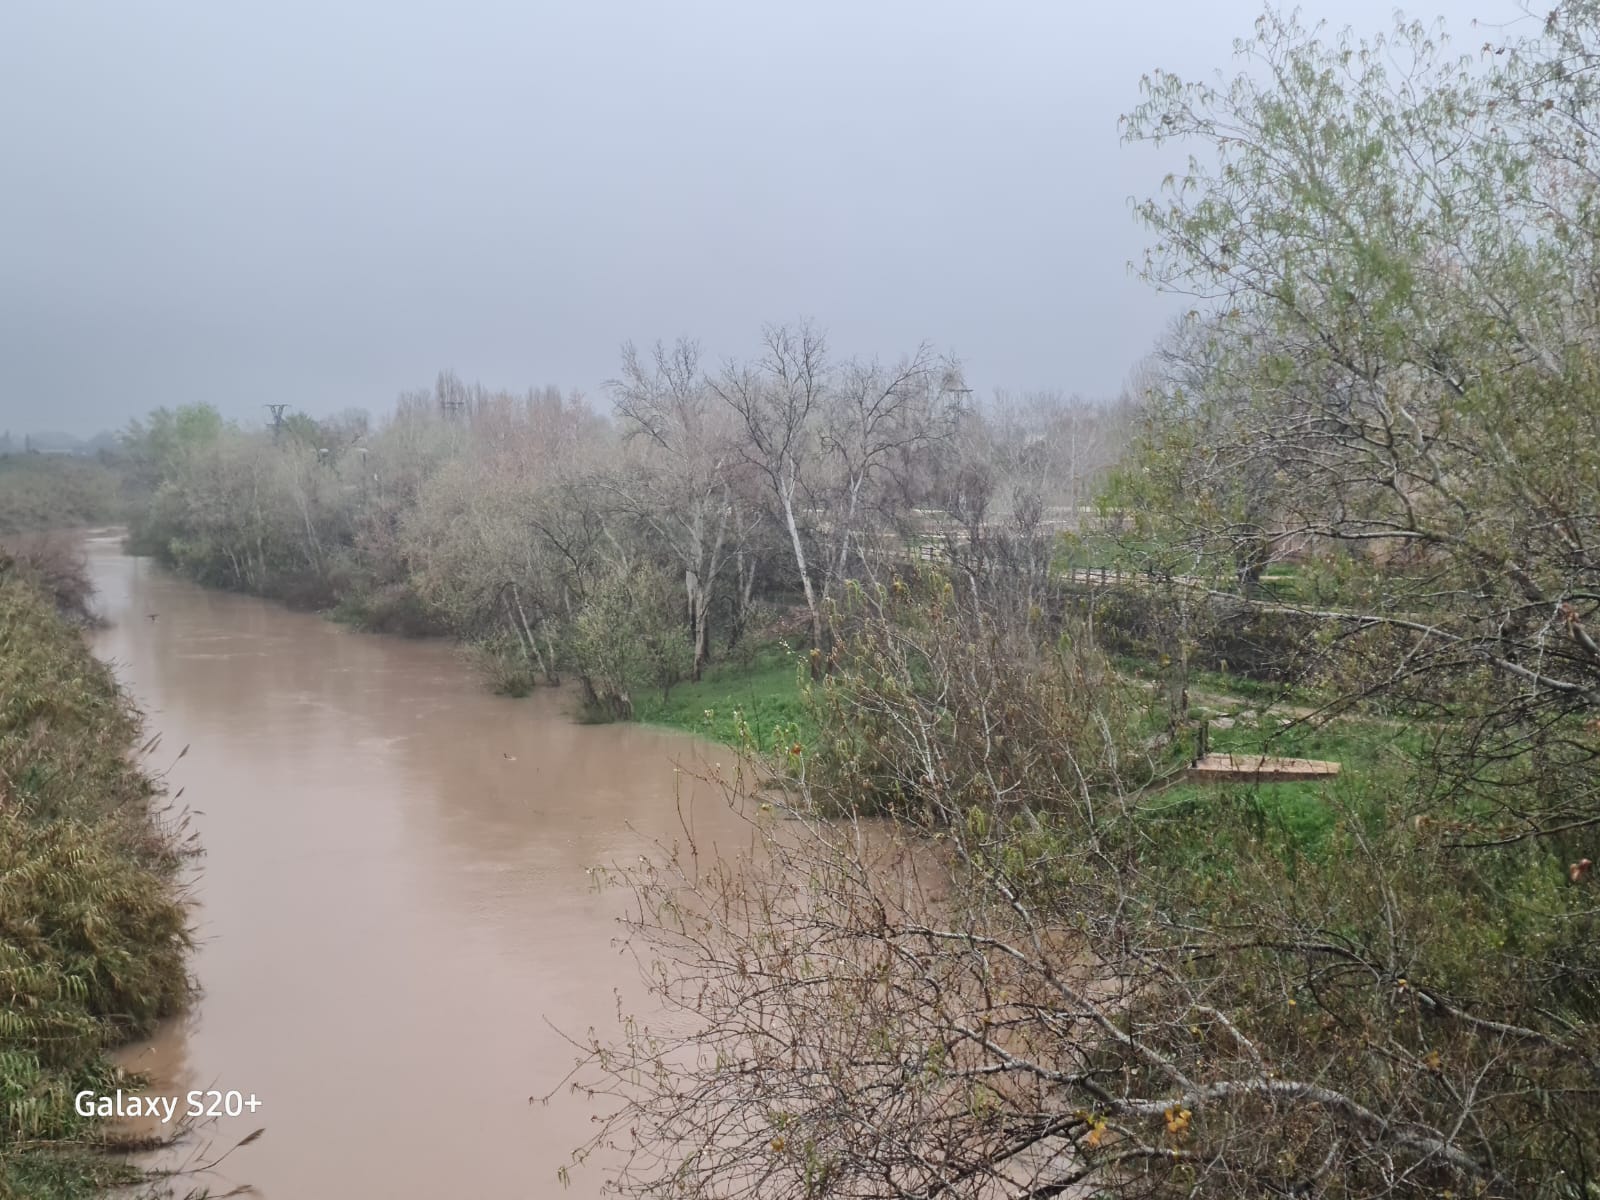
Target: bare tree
<point x="777" y="400"/>
<point x="876" y="419"/>
<point x="682" y="488"/>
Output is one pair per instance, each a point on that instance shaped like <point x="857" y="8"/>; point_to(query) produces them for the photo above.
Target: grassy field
<point x="93" y="934"/>
<point x="764" y="695"/>
<point x="1247" y="717"/>
<point x="760" y="695"/>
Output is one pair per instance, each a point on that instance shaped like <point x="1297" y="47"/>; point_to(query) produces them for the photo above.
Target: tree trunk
<point x="844" y="534"/>
<point x="697" y="620"/>
<point x="526" y="636"/>
<point x="746" y="583"/>
<point x="812" y="607"/>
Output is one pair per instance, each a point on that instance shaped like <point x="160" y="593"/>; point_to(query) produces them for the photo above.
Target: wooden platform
<point x="1259" y="768"/>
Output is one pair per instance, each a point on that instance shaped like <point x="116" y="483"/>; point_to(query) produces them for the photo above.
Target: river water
<point x="393" y="907"/>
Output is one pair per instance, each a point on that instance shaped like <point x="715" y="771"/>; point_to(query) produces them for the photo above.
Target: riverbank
<point x="756" y="700"/>
<point x="93" y="929"/>
<point x="761" y="700"/>
<point x="39" y="491"/>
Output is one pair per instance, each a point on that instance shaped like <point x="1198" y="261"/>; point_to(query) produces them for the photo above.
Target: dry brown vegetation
<point x="46" y="491"/>
<point x="1073" y="981"/>
<point x="55" y="563"/>
<point x="529" y="525"/>
<point x="93" y="928"/>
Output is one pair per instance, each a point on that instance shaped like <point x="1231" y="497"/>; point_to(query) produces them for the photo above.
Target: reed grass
<point x="94" y="933"/>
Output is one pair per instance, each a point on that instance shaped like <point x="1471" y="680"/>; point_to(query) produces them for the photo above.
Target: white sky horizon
<point x="325" y="205"/>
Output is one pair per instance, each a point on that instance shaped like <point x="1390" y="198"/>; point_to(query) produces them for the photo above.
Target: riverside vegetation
<point x="1022" y="956"/>
<point x="93" y="927"/>
<point x="40" y="492"/>
<point x="1004" y="947"/>
<point x="626" y="552"/>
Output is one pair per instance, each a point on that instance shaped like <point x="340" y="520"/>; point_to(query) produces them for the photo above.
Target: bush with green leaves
<point x="624" y="639"/>
<point x="930" y="683"/>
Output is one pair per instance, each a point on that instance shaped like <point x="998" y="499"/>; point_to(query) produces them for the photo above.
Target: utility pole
<point x="451" y="407"/>
<point x="277" y="419"/>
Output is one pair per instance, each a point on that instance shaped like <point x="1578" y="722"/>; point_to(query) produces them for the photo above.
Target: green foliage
<point x="1355" y="431"/>
<point x="1391" y="380"/>
<point x="241" y="514"/>
<point x="624" y="639"/>
<point x="385" y="608"/>
<point x="93" y="932"/>
<point x="936" y="701"/>
<point x="503" y="664"/>
<point x="1369" y="468"/>
<point x="759" y="700"/>
<point x="1339" y="929"/>
<point x="163" y="444"/>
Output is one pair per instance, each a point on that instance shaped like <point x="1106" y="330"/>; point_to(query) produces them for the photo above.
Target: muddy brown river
<point x="393" y="907"/>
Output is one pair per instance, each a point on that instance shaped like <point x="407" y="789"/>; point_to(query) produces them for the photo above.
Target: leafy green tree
<point x="625" y="637"/>
<point x="158" y="445"/>
<point x="1393" y="373"/>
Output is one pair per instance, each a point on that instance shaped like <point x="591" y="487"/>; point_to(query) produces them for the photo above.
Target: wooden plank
<point x="1261" y="768"/>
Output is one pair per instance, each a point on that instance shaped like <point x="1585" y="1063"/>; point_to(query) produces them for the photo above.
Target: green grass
<point x="1250" y="693"/>
<point x="1348" y="740"/>
<point x="762" y="693"/>
<point x="1223" y="683"/>
<point x="1094" y="549"/>
<point x="1184" y="818"/>
<point x="1298" y="817"/>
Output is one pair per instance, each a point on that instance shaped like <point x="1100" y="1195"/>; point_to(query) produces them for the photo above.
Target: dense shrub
<point x="55" y="563"/>
<point x="40" y="491"/>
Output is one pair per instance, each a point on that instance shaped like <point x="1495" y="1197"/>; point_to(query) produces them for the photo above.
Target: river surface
<point x="393" y="907"/>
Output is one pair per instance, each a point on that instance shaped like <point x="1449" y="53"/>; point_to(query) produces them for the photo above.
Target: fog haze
<point x="325" y="204"/>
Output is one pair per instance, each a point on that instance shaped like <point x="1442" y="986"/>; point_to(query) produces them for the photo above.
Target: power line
<point x="277" y="418"/>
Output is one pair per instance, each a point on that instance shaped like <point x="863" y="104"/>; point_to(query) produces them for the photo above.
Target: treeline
<point x="1368" y="459"/>
<point x="1078" y="973"/>
<point x="49" y="491"/>
<point x="93" y="929"/>
<point x="625" y="547"/>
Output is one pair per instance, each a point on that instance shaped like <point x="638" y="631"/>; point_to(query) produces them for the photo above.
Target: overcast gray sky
<point x="325" y="203"/>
